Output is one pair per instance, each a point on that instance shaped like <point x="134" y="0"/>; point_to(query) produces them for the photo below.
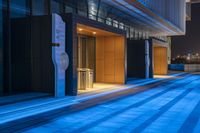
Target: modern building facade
<point x="46" y="44"/>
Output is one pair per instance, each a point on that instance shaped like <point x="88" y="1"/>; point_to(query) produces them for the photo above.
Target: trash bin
<point x="85" y="78"/>
<point x="82" y="76"/>
<point x="90" y="78"/>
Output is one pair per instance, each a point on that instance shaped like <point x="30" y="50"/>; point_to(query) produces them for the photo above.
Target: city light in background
<point x="190" y="58"/>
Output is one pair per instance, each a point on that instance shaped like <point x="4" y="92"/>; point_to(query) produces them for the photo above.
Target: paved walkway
<point x="19" y="109"/>
<point x="172" y="106"/>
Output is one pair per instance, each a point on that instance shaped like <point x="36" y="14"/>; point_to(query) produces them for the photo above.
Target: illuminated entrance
<point x="101" y="57"/>
<point x="160" y="64"/>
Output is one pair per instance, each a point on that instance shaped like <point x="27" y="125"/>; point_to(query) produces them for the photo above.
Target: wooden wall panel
<point x="160" y="61"/>
<point x="110" y="60"/>
<point x="99" y="71"/>
<point x="100" y="48"/>
<point x="109" y="44"/>
<point x="100" y="59"/>
<point x="109" y="68"/>
<point x="119" y="48"/>
<point x="119" y="72"/>
<point x="119" y="60"/>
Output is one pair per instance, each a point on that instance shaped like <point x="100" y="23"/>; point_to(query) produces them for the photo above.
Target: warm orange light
<point x="94" y="33"/>
<point x="80" y="29"/>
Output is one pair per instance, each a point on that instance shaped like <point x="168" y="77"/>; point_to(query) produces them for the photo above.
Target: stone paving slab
<point x="25" y="109"/>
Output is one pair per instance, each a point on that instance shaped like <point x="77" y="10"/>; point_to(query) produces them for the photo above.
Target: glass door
<point x="86" y="62"/>
<point x="86" y="52"/>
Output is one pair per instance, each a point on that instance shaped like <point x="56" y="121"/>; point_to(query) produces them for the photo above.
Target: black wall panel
<point x="136" y="59"/>
<point x="20" y="54"/>
<point x="136" y="66"/>
<point x="151" y="58"/>
<point x="32" y="66"/>
<point x="41" y="55"/>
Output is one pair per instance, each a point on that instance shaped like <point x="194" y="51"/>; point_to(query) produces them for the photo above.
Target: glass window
<point x="127" y="32"/>
<point x="57" y="7"/>
<point x="140" y="35"/>
<point x="39" y="7"/>
<point x="19" y="8"/>
<point x="82" y="8"/>
<point x="92" y="9"/>
<point x="121" y="26"/>
<point x="115" y="23"/>
<point x="102" y="14"/>
<point x="136" y="35"/>
<point x="109" y="21"/>
<point x="70" y="6"/>
<point x="69" y="9"/>
<point x="131" y="33"/>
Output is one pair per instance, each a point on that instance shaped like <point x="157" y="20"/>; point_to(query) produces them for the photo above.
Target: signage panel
<point x="59" y="56"/>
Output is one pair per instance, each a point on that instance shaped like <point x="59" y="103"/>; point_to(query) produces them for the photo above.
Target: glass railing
<point x="131" y="33"/>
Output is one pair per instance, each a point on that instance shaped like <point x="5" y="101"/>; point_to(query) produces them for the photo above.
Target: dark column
<point x="151" y="58"/>
<point x="71" y="49"/>
<point x="6" y="48"/>
<point x="1" y="48"/>
<point x="136" y="59"/>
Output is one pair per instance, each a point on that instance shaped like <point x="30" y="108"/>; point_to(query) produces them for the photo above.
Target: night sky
<point x="191" y="42"/>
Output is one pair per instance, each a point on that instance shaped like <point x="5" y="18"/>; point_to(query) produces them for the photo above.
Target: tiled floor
<point x="26" y="108"/>
<point x="5" y="100"/>
<point x="99" y="87"/>
<point x="104" y="87"/>
<point x="168" y="108"/>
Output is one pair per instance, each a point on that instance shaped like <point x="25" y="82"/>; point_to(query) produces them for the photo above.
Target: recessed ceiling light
<point x="80" y="29"/>
<point x="94" y="33"/>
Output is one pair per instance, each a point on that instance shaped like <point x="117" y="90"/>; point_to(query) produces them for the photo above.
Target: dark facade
<point x="26" y="41"/>
<point x="26" y="35"/>
<point x="137" y="63"/>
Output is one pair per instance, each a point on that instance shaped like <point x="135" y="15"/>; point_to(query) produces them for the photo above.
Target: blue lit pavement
<point x="27" y="108"/>
<point x="170" y="107"/>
